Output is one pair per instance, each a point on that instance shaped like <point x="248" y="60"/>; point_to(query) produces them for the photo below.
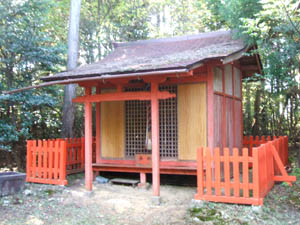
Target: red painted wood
<point x="88" y="142"/>
<point x="123" y="96"/>
<point x="227" y="171"/>
<point x="200" y="171"/>
<point x="191" y="164"/>
<point x="181" y="80"/>
<point x="217" y="171"/>
<point x="208" y="172"/>
<point x="229" y="123"/>
<point x="51" y="163"/>
<point x="255" y="173"/>
<point x="155" y="139"/>
<point x="236" y="172"/>
<point x="238" y="133"/>
<point x="56" y="152"/>
<point x="40" y="168"/>
<point x="218" y="109"/>
<point x="63" y="160"/>
<point x="233" y="110"/>
<point x="210" y="107"/>
<point x="280" y="164"/>
<point x="98" y="128"/>
<point x="39" y="153"/>
<point x="241" y="108"/>
<point x="240" y="200"/>
<point x="227" y="95"/>
<point x="144" y="169"/>
<point x="224" y="112"/>
<point x="262" y="174"/>
<point x="245" y="173"/>
<point x="143" y="178"/>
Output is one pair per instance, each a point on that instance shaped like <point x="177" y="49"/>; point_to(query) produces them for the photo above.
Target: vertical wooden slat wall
<point x="112" y="129"/>
<point x="192" y="127"/>
<point x="227" y="107"/>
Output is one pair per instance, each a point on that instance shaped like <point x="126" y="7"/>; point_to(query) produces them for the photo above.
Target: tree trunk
<point x="257" y="125"/>
<point x="70" y="89"/>
<point x="249" y="119"/>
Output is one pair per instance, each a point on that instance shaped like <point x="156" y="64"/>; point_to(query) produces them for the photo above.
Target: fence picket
<point x="49" y="161"/>
<point x="255" y="172"/>
<point x="44" y="157"/>
<point x="34" y="158"/>
<point x="262" y="159"/>
<point x="40" y="146"/>
<point x="208" y="171"/>
<point x="263" y="167"/>
<point x="56" y="149"/>
<point x="217" y="171"/>
<point x="227" y="171"/>
<point x="245" y="173"/>
<point x="200" y="171"/>
<point x="236" y="174"/>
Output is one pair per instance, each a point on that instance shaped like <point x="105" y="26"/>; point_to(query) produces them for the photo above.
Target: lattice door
<point x="136" y="125"/>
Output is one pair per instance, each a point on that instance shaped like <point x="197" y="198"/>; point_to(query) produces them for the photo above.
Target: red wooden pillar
<point x="98" y="127"/>
<point x="155" y="139"/>
<point x="210" y="107"/>
<point x="88" y="142"/>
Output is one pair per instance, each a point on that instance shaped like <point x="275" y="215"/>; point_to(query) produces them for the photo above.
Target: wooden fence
<point x="49" y="161"/>
<point x="46" y="161"/>
<point x="228" y="177"/>
<point x="75" y="155"/>
<point x="281" y="146"/>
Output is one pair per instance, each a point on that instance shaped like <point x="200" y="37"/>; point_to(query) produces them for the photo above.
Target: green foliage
<point x="105" y="22"/>
<point x="27" y="51"/>
<point x="272" y="98"/>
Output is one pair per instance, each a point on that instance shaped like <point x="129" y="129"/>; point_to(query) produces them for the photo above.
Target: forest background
<point x="33" y="43"/>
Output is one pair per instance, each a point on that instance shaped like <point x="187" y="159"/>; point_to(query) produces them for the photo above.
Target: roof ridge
<point x="172" y="39"/>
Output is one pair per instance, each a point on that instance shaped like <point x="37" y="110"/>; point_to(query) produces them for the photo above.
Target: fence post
<point x="286" y="149"/>
<point x="255" y="174"/>
<point x="200" y="175"/>
<point x="217" y="171"/>
<point x="245" y="173"/>
<point x="236" y="173"/>
<point x="227" y="171"/>
<point x="63" y="161"/>
<point x="82" y="152"/>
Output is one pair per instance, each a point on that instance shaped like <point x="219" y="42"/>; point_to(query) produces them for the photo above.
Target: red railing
<point x="250" y="142"/>
<point x="46" y="161"/>
<point x="75" y="155"/>
<point x="235" y="176"/>
<point x="49" y="161"/>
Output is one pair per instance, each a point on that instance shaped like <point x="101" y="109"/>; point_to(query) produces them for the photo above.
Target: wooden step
<point x="124" y="181"/>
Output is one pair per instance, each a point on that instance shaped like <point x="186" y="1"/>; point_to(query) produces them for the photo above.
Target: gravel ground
<point x="119" y="204"/>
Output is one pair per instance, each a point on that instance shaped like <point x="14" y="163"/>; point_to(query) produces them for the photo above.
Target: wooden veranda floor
<point x="180" y="170"/>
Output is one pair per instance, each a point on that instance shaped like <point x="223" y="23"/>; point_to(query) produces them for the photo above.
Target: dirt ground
<point x="119" y="204"/>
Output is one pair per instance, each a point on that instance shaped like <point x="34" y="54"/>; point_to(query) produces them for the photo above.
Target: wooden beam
<point x="88" y="142"/>
<point x="210" y="108"/>
<point x="155" y="139"/>
<point x="123" y="96"/>
<point x="250" y="68"/>
<point x="98" y="128"/>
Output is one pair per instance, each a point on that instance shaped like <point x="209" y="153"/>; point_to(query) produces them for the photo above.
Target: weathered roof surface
<point x="158" y="55"/>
